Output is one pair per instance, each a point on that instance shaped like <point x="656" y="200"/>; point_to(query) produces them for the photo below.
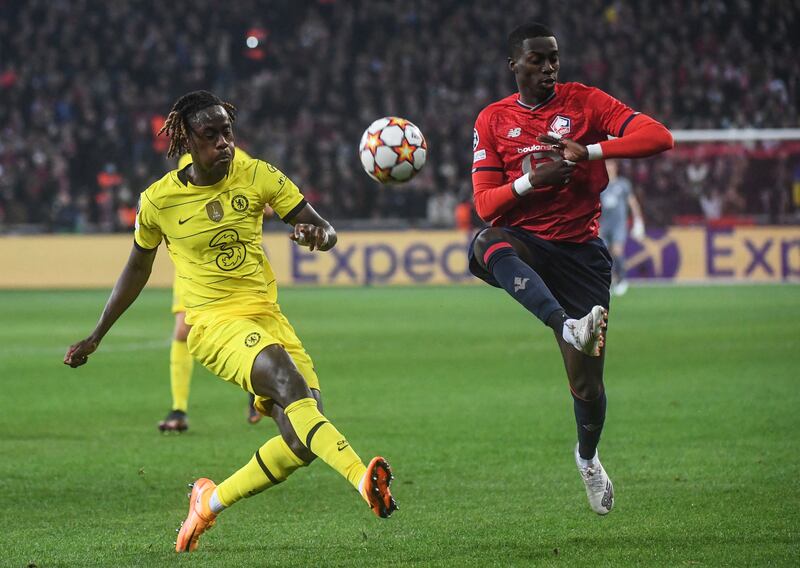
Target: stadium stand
<point x="84" y="86"/>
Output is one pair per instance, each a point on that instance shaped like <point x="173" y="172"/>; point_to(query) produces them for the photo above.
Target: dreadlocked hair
<point x="176" y="125"/>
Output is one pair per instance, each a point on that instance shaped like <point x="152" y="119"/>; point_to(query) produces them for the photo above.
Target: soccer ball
<point x="392" y="150"/>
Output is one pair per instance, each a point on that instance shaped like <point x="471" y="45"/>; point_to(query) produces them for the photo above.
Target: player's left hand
<point x="311" y="236"/>
<point x="78" y="353"/>
<point x="570" y="150"/>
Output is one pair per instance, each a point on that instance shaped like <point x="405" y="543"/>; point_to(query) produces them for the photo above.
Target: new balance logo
<point x="514" y="132"/>
<point x="520" y="283"/>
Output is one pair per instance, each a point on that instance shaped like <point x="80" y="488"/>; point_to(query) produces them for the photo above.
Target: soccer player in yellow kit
<point x="209" y="214"/>
<point x="181" y="363"/>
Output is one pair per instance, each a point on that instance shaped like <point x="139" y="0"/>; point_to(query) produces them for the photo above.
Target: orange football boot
<point x="376" y="488"/>
<point x="200" y="517"/>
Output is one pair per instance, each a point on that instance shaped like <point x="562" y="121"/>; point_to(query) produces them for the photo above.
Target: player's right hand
<point x="308" y="235"/>
<point x="552" y="173"/>
<point x="78" y="353"/>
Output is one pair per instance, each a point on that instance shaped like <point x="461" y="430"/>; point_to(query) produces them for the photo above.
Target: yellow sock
<point x="272" y="463"/>
<point x="323" y="439"/>
<point x="180" y="374"/>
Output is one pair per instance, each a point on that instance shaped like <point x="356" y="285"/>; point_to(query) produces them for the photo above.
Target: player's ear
<point x="511" y="64"/>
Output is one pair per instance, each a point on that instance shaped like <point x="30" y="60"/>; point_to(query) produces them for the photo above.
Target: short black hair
<point x="176" y="125"/>
<point x="523" y="32"/>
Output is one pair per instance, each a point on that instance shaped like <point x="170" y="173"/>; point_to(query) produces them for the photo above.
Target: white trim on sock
<point x="215" y="504"/>
<point x="566" y="331"/>
<point x="586" y="463"/>
<point x="361" y="483"/>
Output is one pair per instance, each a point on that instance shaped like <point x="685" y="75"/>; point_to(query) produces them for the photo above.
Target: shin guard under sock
<point x="324" y="440"/>
<point x="271" y="464"/>
<point x="521" y="281"/>
<point x="590" y="415"/>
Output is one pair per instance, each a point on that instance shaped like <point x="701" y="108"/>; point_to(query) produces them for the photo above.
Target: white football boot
<point x="599" y="488"/>
<point x="588" y="334"/>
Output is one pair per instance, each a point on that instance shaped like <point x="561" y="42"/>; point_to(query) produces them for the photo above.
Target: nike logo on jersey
<point x="520" y="283"/>
<point x="342" y="444"/>
<point x="182" y="221"/>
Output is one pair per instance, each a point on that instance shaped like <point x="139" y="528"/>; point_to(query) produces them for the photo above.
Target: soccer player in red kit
<point x="537" y="175"/>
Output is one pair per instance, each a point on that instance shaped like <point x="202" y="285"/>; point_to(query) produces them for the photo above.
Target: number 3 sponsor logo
<point x="232" y="250"/>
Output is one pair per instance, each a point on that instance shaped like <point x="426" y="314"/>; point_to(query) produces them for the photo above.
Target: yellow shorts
<point x="177" y="296"/>
<point x="228" y="345"/>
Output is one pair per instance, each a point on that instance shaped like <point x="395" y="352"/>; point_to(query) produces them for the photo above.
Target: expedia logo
<point x="252" y="339"/>
<point x="240" y="203"/>
<point x="656" y="256"/>
<point x="535" y="148"/>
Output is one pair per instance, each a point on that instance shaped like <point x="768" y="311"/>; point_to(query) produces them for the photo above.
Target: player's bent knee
<point x="300" y="450"/>
<point x="290" y="436"/>
<point x="487" y="238"/>
<point x="274" y="375"/>
<point x="587" y="390"/>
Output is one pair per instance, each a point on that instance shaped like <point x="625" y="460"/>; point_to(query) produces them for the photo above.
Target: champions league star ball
<point x="392" y="150"/>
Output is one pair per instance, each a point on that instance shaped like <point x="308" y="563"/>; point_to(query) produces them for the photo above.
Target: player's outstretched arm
<point x="643" y="137"/>
<point x="130" y="283"/>
<point x="312" y="231"/>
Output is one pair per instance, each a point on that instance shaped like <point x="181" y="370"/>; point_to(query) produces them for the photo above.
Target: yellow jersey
<point x="213" y="235"/>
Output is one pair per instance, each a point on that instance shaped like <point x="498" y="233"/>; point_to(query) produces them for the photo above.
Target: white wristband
<point x="595" y="151"/>
<point x="522" y="185"/>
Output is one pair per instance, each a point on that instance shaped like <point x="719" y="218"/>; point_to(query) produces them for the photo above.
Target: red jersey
<point x="505" y="142"/>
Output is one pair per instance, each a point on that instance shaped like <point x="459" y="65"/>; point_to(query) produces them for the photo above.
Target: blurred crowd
<point x="86" y="84"/>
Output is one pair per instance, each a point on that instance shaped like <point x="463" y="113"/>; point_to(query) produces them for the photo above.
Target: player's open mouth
<point x="550" y="81"/>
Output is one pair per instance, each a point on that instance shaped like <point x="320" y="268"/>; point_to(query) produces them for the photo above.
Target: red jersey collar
<point x="538" y="106"/>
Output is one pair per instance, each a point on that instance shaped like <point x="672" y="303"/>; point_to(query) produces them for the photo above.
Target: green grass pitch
<point x="461" y="390"/>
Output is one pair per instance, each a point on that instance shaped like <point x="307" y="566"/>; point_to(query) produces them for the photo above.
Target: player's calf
<point x="497" y="253"/>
